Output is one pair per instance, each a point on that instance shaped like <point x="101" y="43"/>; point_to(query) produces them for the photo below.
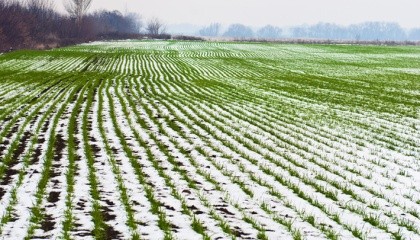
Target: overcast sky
<point x="275" y="12"/>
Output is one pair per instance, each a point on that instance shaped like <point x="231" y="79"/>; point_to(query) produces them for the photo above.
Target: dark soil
<point x="2" y="192"/>
<point x="47" y="224"/>
<point x="2" y="148"/>
<point x="224" y="210"/>
<point x="114" y="150"/>
<point x="36" y="155"/>
<point x="32" y="122"/>
<point x="106" y="214"/>
<point x="53" y="197"/>
<point x="80" y="205"/>
<point x="110" y="203"/>
<point x="46" y="124"/>
<point x="6" y="119"/>
<point x="186" y="191"/>
<point x="168" y="207"/>
<point x="173" y="226"/>
<point x="84" y="234"/>
<point x="95" y="150"/>
<point x="22" y="145"/>
<point x="14" y="130"/>
<point x="8" y="176"/>
<point x="41" y="140"/>
<point x="192" y="208"/>
<point x="110" y="232"/>
<point x="16" y="154"/>
<point x="60" y="145"/>
<point x="239" y="233"/>
<point x="55" y="182"/>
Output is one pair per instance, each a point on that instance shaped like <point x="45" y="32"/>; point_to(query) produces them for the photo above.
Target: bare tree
<point x="42" y="13"/>
<point x="269" y="32"/>
<point x="135" y="21"/>
<point x="212" y="30"/>
<point x="40" y="5"/>
<point x="239" y="31"/>
<point x="155" y="27"/>
<point x="77" y="9"/>
<point x="14" y="27"/>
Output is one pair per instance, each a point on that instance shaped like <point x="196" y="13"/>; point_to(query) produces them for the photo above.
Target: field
<point x="202" y="140"/>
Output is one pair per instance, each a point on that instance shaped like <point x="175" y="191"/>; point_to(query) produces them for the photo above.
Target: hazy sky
<point x="275" y="12"/>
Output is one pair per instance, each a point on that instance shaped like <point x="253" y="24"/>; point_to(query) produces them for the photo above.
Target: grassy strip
<point x="26" y="161"/>
<point x="191" y="183"/>
<point x="100" y="227"/>
<point x="163" y="223"/>
<point x="328" y="194"/>
<point x="9" y="156"/>
<point x="68" y="222"/>
<point x="131" y="221"/>
<point x="37" y="214"/>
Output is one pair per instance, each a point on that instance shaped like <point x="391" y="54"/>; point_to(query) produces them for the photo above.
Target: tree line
<point x="368" y="31"/>
<point x="36" y="24"/>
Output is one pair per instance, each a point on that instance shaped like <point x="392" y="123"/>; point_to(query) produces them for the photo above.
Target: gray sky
<point x="275" y="12"/>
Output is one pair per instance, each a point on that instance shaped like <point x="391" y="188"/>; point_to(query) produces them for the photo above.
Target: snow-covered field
<point x="196" y="140"/>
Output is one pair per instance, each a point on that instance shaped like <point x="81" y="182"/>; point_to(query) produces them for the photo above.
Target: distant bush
<point x="329" y="41"/>
<point x="187" y="38"/>
<point x="367" y="31"/>
<point x="239" y="31"/>
<point x="163" y="36"/>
